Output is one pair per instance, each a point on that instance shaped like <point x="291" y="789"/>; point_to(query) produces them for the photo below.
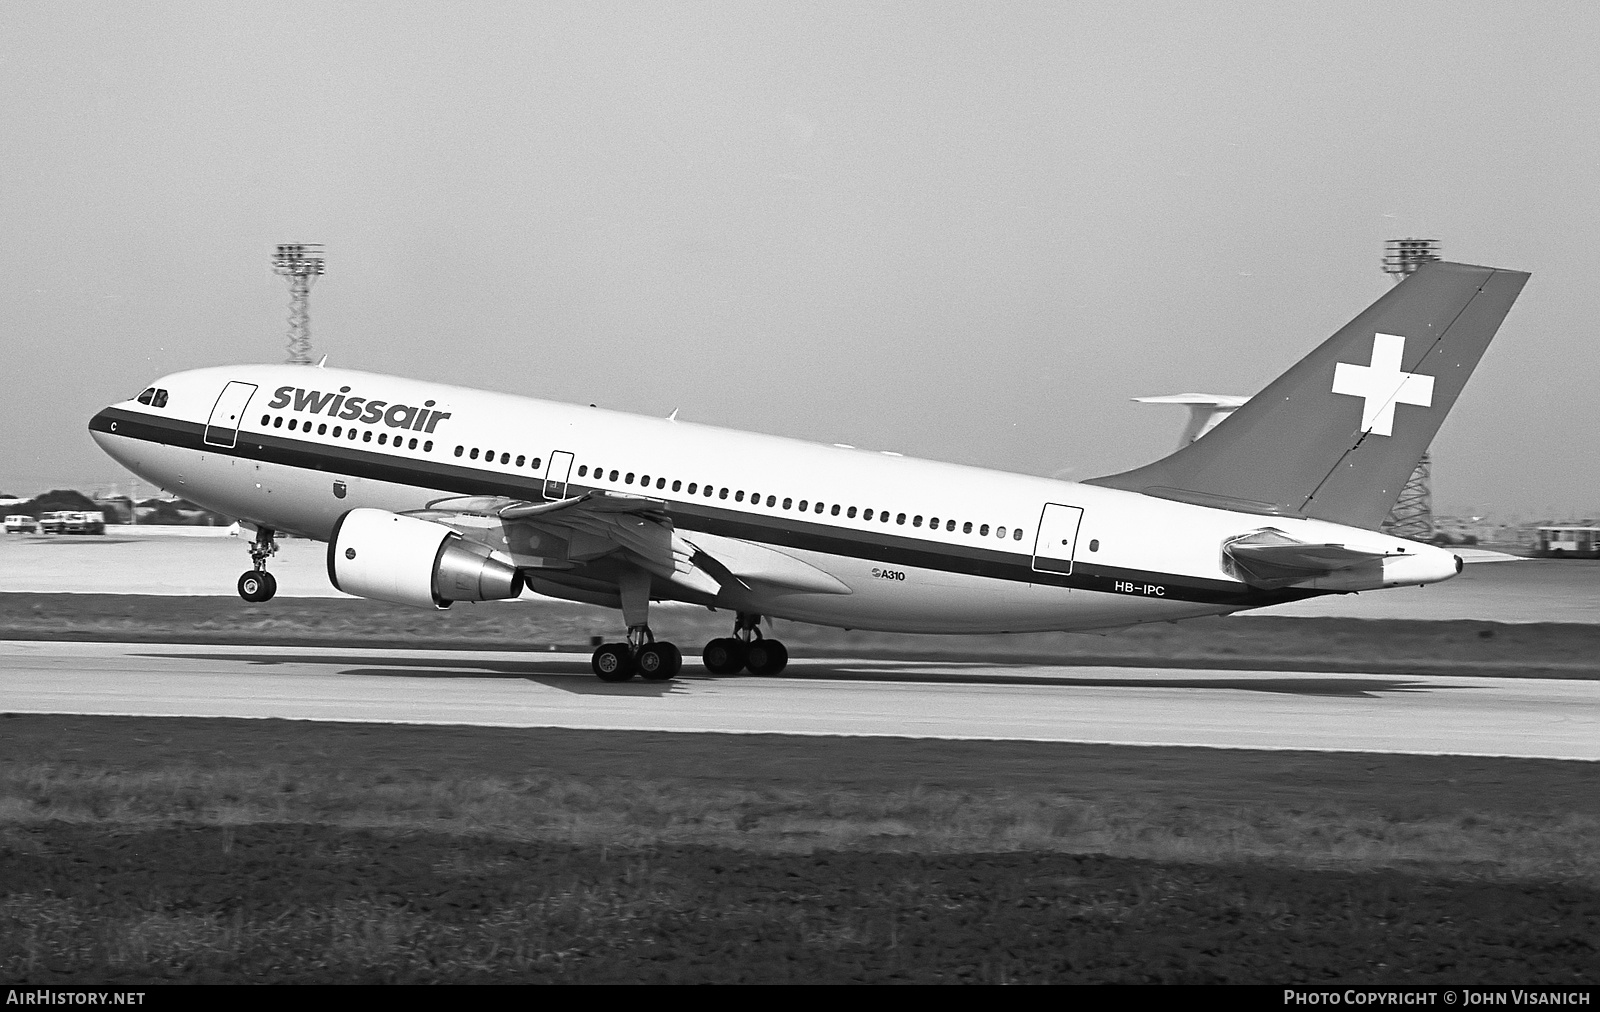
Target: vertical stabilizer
<point x="1336" y="436"/>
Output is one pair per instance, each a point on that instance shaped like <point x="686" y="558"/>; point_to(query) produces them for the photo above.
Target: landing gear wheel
<point x="766" y="657"/>
<point x="723" y="656"/>
<point x="613" y="662"/>
<point x="257" y="585"/>
<point x="659" y="662"/>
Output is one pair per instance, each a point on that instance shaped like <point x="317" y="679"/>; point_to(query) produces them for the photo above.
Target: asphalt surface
<point x="1533" y="718"/>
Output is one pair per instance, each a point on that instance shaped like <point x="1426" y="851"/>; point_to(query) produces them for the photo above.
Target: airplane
<point x="429" y="495"/>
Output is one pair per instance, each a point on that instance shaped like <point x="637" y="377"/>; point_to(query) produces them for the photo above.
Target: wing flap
<point x="735" y="561"/>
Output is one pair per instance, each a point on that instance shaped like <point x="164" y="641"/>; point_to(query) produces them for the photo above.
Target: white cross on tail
<point x="1383" y="384"/>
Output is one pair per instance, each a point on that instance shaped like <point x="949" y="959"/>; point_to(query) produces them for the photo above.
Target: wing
<point x="568" y="533"/>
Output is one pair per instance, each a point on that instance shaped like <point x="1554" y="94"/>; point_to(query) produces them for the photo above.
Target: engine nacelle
<point x="404" y="560"/>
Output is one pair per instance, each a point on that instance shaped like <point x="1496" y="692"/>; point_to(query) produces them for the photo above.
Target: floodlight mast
<point x="1412" y="516"/>
<point x="302" y="264"/>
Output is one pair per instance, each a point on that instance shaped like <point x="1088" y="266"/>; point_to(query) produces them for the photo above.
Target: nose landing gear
<point x="745" y="649"/>
<point x="257" y="584"/>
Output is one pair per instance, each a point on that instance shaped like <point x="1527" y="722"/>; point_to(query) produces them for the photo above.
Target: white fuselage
<point x="946" y="548"/>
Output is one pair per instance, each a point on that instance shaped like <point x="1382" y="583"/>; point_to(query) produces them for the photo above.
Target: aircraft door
<point x="555" y="479"/>
<point x="223" y="427"/>
<point x="1058" y="536"/>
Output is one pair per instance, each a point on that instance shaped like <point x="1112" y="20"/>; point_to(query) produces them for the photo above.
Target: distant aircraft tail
<point x="1336" y="437"/>
<point x="1206" y="411"/>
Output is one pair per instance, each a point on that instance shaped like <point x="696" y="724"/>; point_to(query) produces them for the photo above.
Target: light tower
<point x="301" y="263"/>
<point x="1412" y="516"/>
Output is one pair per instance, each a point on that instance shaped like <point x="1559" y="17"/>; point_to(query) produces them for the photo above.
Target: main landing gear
<point x="745" y="649"/>
<point x="257" y="584"/>
<point x="641" y="655"/>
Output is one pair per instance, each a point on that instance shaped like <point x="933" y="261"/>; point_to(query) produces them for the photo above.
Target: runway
<point x="167" y="564"/>
<point x="1527" y="718"/>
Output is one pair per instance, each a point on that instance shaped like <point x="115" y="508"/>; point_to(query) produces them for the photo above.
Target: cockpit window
<point x="147" y="395"/>
<point x="161" y="399"/>
<point x="152" y="396"/>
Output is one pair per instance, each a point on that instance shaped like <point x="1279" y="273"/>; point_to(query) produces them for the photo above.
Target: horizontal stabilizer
<point x="1271" y="558"/>
<point x="1471" y="556"/>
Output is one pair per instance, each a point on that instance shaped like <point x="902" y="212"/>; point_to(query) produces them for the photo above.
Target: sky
<point x="970" y="232"/>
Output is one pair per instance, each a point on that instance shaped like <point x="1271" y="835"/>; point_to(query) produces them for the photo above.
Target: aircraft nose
<point x="103" y="429"/>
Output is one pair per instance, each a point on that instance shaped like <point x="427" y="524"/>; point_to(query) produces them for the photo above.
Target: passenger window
<point x="426" y="447"/>
<point x="277" y="423"/>
<point x="738" y="497"/>
<point x="803" y="505"/>
<point x="966" y="528"/>
<point x="709" y="491"/>
<point x="900" y="519"/>
<point x="535" y="464"/>
<point x="352" y="433"/>
<point x="460" y="450"/>
<point x="984" y="530"/>
<point x="338" y="430"/>
<point x="583" y="470"/>
<point x="291" y="424"/>
<point x="266" y="420"/>
<point x="851" y="513"/>
<point x="661" y="483"/>
<point x="933" y="524"/>
<point x="866" y="514"/>
<point x="1016" y="535"/>
<point x="629" y="479"/>
<point x="520" y="459"/>
<point x="474" y="453"/>
<point x="772" y="500"/>
<point x="383" y="437"/>
<point x="323" y="428"/>
<point x="412" y="445"/>
<point x="677" y="485"/>
<point x="692" y="486"/>
<point x="949" y="525"/>
<point x="1094" y="545"/>
<point x="613" y="474"/>
<point x="999" y="532"/>
<point x="366" y="435"/>
<point x="819" y="508"/>
<point x="917" y="520"/>
<point x="788" y="503"/>
<point x="645" y="481"/>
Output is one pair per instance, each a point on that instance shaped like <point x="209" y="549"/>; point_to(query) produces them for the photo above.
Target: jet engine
<point x="405" y="560"/>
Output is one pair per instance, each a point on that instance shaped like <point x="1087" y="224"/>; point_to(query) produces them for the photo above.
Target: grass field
<point x="154" y="849"/>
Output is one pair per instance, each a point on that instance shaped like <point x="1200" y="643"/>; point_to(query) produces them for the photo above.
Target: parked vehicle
<point x="73" y="522"/>
<point x="21" y="523"/>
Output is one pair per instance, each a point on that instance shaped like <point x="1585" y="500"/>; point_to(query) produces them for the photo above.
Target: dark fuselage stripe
<point x="693" y="515"/>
